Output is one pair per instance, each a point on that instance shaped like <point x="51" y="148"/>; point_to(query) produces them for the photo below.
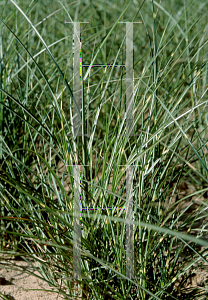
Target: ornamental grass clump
<point x="39" y="151"/>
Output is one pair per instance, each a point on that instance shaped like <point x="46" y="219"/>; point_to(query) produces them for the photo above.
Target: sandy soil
<point x="14" y="283"/>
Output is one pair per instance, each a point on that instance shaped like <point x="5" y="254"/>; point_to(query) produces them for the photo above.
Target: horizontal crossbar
<point x="102" y="65"/>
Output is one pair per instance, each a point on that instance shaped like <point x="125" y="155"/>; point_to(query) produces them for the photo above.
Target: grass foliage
<point x="169" y="151"/>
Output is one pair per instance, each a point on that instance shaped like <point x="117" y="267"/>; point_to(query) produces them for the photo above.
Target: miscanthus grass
<point x="37" y="147"/>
